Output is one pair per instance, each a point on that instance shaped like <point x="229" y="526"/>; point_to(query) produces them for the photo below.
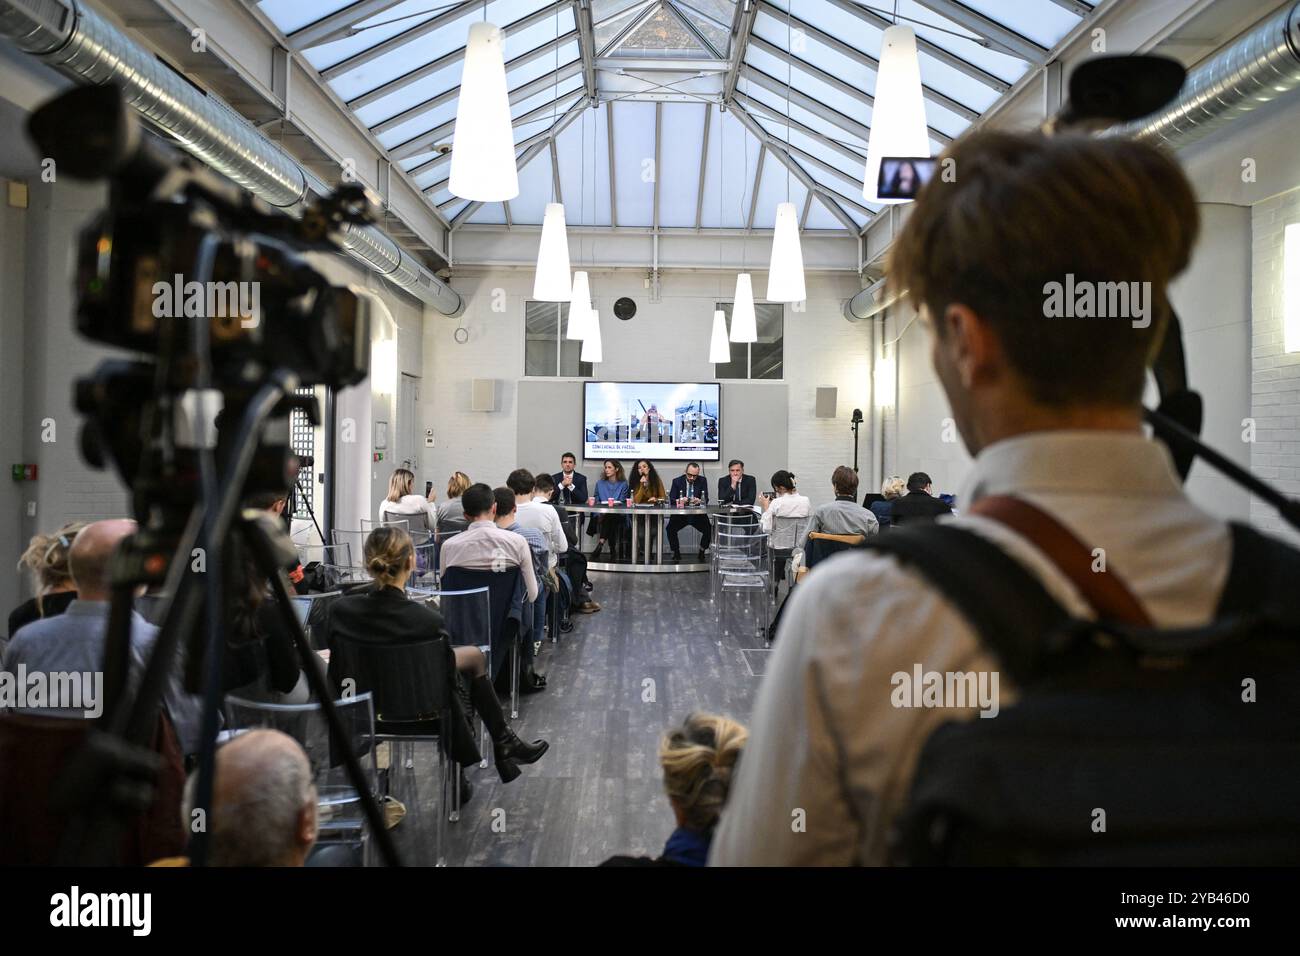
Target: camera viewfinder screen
<point x="901" y="177"/>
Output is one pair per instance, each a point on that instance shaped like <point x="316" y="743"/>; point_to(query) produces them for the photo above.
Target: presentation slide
<point x="655" y="420"/>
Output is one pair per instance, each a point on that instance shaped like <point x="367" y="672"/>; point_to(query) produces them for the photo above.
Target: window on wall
<point x="763" y="359"/>
<point x="547" y="353"/>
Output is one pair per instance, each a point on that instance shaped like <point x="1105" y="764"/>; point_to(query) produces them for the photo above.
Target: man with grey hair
<point x="263" y="809"/>
<point x="74" y="641"/>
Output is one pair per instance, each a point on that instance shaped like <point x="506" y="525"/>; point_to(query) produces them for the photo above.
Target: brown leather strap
<point x="1105" y="591"/>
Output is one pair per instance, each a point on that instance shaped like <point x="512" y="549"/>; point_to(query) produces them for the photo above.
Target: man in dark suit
<point x="570" y="487"/>
<point x="695" y="490"/>
<point x="918" y="504"/>
<point x="736" y="487"/>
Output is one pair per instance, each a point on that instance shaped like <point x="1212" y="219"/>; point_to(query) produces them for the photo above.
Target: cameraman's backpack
<point x="1128" y="745"/>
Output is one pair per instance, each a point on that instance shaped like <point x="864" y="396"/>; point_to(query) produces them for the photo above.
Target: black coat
<point x="748" y="491"/>
<point x="916" y="506"/>
<point x="578" y="495"/>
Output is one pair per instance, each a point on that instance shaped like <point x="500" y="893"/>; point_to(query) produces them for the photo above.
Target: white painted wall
<point x="667" y="341"/>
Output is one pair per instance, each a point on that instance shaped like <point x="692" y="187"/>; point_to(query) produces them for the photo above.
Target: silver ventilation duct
<point x="1257" y="67"/>
<point x="82" y="44"/>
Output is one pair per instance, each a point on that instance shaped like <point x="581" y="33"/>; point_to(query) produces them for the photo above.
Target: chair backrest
<point x="410" y="680"/>
<point x="335" y="555"/>
<point x="821" y="546"/>
<point x="306" y="724"/>
<point x="467" y="614"/>
<point x="786" y="531"/>
<point x="369" y="524"/>
<point x="356" y="542"/>
<point x="505" y="608"/>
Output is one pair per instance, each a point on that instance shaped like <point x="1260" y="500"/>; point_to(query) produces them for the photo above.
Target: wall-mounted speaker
<point x="483" y="395"/>
<point x="826" y="402"/>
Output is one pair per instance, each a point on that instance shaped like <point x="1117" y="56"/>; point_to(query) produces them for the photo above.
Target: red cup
<point x="591" y="502"/>
<point x="610" y="502"/>
<point x="629" y="502"/>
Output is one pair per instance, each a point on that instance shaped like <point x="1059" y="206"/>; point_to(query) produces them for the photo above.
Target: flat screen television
<point x="662" y="421"/>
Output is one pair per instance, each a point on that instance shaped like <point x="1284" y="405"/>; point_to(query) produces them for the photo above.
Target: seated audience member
<point x="533" y="511"/>
<point x="612" y="486"/>
<point x="573" y="562"/>
<point x="508" y="520"/>
<point x="919" y="504"/>
<point x="689" y="488"/>
<point x="844" y="515"/>
<point x="788" y="503"/>
<point x="384" y="614"/>
<point x="451" y="513"/>
<point x="47" y="558"/>
<point x="698" y="760"/>
<point x="891" y="489"/>
<point x="485" y="547"/>
<point x="419" y="513"/>
<point x="263" y="809"/>
<point x="74" y="641"/>
<point x="1051" y="410"/>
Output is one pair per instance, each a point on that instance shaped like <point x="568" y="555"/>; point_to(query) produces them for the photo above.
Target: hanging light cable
<point x="553" y="282"/>
<point x="898" y="126"/>
<point x="785" y="281"/>
<point x="744" y="320"/>
<point x="483" y="140"/>
<point x="580" y="300"/>
<point x="719" y="346"/>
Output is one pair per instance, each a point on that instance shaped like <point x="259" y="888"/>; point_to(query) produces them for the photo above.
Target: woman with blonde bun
<point x="47" y="558"/>
<point x="699" y="760"/>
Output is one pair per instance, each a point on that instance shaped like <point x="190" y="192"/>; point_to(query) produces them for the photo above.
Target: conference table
<point x="656" y="516"/>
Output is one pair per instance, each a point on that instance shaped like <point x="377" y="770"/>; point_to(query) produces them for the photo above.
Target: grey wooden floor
<point x="650" y="656"/>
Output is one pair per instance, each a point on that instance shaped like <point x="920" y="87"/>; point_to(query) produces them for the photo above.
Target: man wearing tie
<point x="695" y="490"/>
<point x="570" y="487"/>
<point x="736" y="487"/>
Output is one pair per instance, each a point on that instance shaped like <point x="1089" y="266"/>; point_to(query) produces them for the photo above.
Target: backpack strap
<point x="1003" y="601"/>
<point x="1105" y="591"/>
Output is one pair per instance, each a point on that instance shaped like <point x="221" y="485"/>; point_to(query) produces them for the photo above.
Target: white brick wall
<point x="1275" y="375"/>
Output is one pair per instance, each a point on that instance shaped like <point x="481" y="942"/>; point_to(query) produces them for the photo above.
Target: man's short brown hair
<point x="1024" y="210"/>
<point x="845" y="481"/>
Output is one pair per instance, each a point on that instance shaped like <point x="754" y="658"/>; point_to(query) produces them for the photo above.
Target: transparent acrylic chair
<point x="787" y="535"/>
<point x="743" y="569"/>
<point x="341" y="820"/>
<point x="467" y="615"/>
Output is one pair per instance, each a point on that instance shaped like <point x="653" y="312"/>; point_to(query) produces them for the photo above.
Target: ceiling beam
<point x="703" y="15"/>
<point x="851" y="52"/>
<point x="760" y="110"/>
<point x="925" y="46"/>
<point x="428" y="140"/>
<point x="758" y="181"/>
<point x="823" y="194"/>
<point x="1000" y="37"/>
<point x="704" y="165"/>
<point x="659" y="141"/>
<point x="362" y="57"/>
<point x="746" y="12"/>
<point x="510" y="221"/>
<point x="338" y="25"/>
<point x="613" y="192"/>
<point x="807" y="208"/>
<point x="833" y="81"/>
<point x="437" y="66"/>
<point x="586" y="45"/>
<point x="690" y="27"/>
<point x="816" y="107"/>
<point x="646" y="12"/>
<point x="555" y="172"/>
<point x="1077" y="7"/>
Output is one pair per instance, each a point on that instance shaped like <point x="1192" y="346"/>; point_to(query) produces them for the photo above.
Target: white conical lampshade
<point x="552" y="282"/>
<point x="579" y="307"/>
<point x="719" y="347"/>
<point x="591" y="344"/>
<point x="483" y="142"/>
<point x="744" y="322"/>
<point x="898" y="116"/>
<point x="785" y="273"/>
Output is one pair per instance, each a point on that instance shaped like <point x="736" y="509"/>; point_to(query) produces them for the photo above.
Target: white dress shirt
<point x="538" y="514"/>
<point x="419" y="512"/>
<point x="485" y="547"/>
<point x="785" y="506"/>
<point x="825" y="738"/>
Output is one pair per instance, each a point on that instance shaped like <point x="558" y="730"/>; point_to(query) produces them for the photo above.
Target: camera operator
<point x="1050" y="407"/>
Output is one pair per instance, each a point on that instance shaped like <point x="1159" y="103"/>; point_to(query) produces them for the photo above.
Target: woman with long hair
<point x="384" y="614"/>
<point x="402" y="504"/>
<point x="611" y="486"/>
<point x="46" y="558"/>
<point x="647" y="489"/>
<point x="699" y="761"/>
<point x="452" y="511"/>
